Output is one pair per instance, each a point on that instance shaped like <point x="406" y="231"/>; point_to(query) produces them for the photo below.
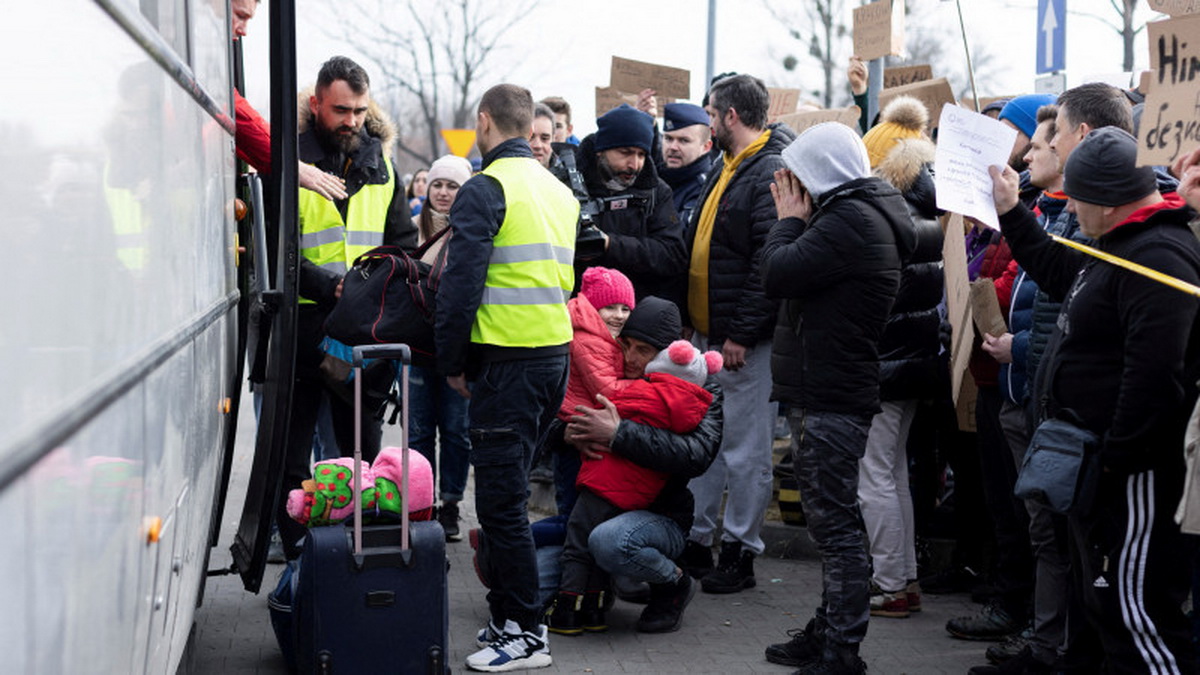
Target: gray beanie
<point x="827" y="155"/>
<point x="1103" y="170"/>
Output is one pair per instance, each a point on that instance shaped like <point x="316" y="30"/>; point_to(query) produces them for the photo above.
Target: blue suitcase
<point x="379" y="604"/>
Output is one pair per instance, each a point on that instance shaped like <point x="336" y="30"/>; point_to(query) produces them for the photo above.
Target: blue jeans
<point x="438" y="426"/>
<point x="512" y="402"/>
<point x="639" y="545"/>
<point x="826" y="449"/>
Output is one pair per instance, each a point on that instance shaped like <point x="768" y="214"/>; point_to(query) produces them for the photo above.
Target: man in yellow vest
<point x="342" y="133"/>
<point x="502" y="323"/>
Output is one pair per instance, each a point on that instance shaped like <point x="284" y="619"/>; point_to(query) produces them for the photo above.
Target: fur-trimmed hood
<point x="909" y="169"/>
<point x="378" y="124"/>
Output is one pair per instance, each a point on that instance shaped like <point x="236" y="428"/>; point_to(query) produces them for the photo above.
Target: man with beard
<point x="342" y="133"/>
<point x="639" y="231"/>
<point x="686" y="142"/>
<point x="730" y="311"/>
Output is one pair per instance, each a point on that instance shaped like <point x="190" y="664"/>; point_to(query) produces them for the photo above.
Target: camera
<point x="589" y="240"/>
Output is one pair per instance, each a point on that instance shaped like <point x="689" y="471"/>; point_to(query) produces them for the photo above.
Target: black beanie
<point x="654" y="321"/>
<point x="624" y="127"/>
<point x="1102" y="170"/>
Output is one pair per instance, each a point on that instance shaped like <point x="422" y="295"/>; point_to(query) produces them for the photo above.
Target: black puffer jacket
<point x="683" y="456"/>
<point x="1125" y="358"/>
<point x="738" y="309"/>
<point x="909" y="365"/>
<point x="645" y="240"/>
<point x="838" y="276"/>
<point x="1045" y="306"/>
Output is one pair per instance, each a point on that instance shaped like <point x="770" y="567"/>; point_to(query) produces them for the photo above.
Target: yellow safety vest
<point x="129" y="226"/>
<point x="329" y="242"/>
<point x="531" y="271"/>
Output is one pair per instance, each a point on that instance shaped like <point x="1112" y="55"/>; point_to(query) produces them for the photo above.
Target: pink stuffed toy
<point x="388" y="477"/>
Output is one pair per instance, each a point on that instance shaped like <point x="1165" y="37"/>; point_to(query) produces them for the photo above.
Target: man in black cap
<point x="1122" y="364"/>
<point x="639" y="231"/>
<point x="687" y="140"/>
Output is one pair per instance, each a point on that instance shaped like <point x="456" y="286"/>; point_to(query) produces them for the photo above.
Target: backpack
<point x="389" y="296"/>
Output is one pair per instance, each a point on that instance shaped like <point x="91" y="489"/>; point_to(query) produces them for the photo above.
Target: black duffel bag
<point x="389" y="296"/>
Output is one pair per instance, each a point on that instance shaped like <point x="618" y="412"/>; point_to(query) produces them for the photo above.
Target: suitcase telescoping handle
<point x="401" y="353"/>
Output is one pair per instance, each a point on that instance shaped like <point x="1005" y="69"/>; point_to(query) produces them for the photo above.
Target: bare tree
<point x="431" y="59"/>
<point x="1123" y="27"/>
<point x="821" y="30"/>
<point x="928" y="42"/>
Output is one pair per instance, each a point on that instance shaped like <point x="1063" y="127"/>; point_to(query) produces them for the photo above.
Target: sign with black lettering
<point x="1176" y="7"/>
<point x="902" y="75"/>
<point x="1171" y="120"/>
<point x="634" y="76"/>
<point x="878" y="30"/>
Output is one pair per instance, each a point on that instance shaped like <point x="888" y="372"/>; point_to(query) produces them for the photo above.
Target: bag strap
<point x="429" y="243"/>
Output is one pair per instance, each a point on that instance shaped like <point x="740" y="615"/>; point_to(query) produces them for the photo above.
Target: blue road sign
<point x="1051" y="35"/>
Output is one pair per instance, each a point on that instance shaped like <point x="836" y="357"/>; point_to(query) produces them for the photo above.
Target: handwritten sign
<point x="902" y="75"/>
<point x="783" y="102"/>
<point x="1170" y="123"/>
<point x="878" y="30"/>
<point x="608" y="98"/>
<point x="958" y="300"/>
<point x="933" y="93"/>
<point x="1176" y="7"/>
<point x="968" y="143"/>
<point x="803" y="120"/>
<point x="630" y="75"/>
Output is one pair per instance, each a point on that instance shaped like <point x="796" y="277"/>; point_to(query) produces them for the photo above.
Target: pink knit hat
<point x="603" y="287"/>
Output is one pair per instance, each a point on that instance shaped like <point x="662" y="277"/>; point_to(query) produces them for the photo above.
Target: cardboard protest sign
<point x="633" y="76"/>
<point x="902" y="75"/>
<point x="958" y="300"/>
<point x="608" y="98"/>
<point x="1170" y="125"/>
<point x="969" y="143"/>
<point x="803" y="120"/>
<point x="964" y="407"/>
<point x="1176" y="7"/>
<point x="985" y="308"/>
<point x="933" y="93"/>
<point x="783" y="102"/>
<point x="878" y="30"/>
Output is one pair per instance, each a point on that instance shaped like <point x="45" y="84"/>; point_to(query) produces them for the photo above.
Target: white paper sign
<point x="968" y="143"/>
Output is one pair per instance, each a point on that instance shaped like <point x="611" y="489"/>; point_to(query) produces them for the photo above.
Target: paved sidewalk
<point x="720" y="633"/>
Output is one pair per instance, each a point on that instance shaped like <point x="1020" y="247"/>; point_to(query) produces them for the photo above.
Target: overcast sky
<point x="565" y="47"/>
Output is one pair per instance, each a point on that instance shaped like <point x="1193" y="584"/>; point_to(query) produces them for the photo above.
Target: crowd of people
<point x="635" y="305"/>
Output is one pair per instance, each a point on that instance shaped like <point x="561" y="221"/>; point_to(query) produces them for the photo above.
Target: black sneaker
<point x="448" y="517"/>
<point x="563" y="617"/>
<point x="591" y="612"/>
<point x="834" y="662"/>
<point x="1010" y="647"/>
<point x="664" y="613"/>
<point x="697" y="559"/>
<point x="735" y="570"/>
<point x="805" y="646"/>
<point x="1023" y="663"/>
<point x="993" y="622"/>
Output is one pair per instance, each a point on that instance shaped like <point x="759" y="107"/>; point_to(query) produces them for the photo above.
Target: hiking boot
<point x="735" y="570"/>
<point x="913" y="594"/>
<point x="1024" y="663"/>
<point x="664" y="613"/>
<point x="563" y="616"/>
<point x="448" y="517"/>
<point x="806" y="645"/>
<point x="1010" y="647"/>
<point x="591" y="612"/>
<point x="515" y="649"/>
<point x="696" y="559"/>
<point x="993" y="622"/>
<point x="835" y="660"/>
<point x="893" y="605"/>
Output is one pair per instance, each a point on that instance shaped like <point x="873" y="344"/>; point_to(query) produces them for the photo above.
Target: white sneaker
<point x="515" y="649"/>
<point x="487" y="635"/>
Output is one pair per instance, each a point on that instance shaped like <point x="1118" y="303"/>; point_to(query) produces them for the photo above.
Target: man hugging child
<point x="670" y="396"/>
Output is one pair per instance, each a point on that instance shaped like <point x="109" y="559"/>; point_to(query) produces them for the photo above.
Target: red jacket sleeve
<point x="1004" y="285"/>
<point x="252" y="135"/>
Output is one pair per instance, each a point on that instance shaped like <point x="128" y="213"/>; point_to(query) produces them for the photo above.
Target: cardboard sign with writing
<point x="878" y="30"/>
<point x="783" y="102"/>
<point x="1176" y="7"/>
<point x="1170" y="124"/>
<point x="902" y="75"/>
<point x="608" y="98"/>
<point x="630" y="75"/>
<point x="803" y="120"/>
<point x="933" y="93"/>
<point x="985" y="308"/>
<point x="958" y="300"/>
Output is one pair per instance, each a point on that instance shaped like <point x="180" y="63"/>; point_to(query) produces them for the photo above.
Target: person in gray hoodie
<point x="834" y="259"/>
